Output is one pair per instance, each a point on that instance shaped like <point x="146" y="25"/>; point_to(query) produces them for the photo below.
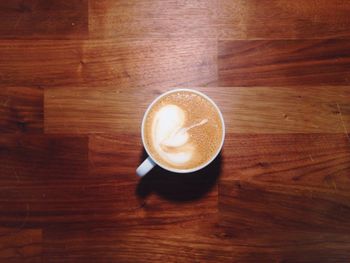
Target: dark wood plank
<point x="103" y="202"/>
<point x="128" y="63"/>
<point x="45" y="180"/>
<point x="106" y="150"/>
<point x="194" y="241"/>
<point x="185" y="242"/>
<point x="117" y="156"/>
<point x="21" y="110"/>
<point x="284" y="62"/>
<point x="43" y="19"/>
<point x="35" y="168"/>
<point x="283" y="19"/>
<point x="41" y="157"/>
<point x="256" y="223"/>
<point x="304" y="228"/>
<point x="21" y="245"/>
<point x="252" y="110"/>
<point x="311" y="161"/>
<point x="152" y="19"/>
<point x="156" y="198"/>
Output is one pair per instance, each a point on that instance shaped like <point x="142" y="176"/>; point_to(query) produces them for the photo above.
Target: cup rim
<point x="175" y="170"/>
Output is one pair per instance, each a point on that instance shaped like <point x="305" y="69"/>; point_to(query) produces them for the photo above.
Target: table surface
<point x="76" y="77"/>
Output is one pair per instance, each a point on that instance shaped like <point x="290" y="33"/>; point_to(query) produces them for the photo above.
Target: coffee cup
<point x="182" y="130"/>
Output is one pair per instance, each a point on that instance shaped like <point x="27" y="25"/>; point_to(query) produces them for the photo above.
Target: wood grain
<point x="101" y="202"/>
<point x="152" y="19"/>
<point x="21" y="245"/>
<point x="284" y="62"/>
<point x="129" y="63"/>
<point x="311" y="161"/>
<point x="37" y="156"/>
<point x="199" y="241"/>
<point x="157" y="198"/>
<point x="174" y="242"/>
<point x="253" y="110"/>
<point x="75" y="80"/>
<point x="21" y="110"/>
<point x="44" y="19"/>
<point x="253" y="225"/>
<point x="283" y="19"/>
<point x="47" y="179"/>
<point x="107" y="149"/>
<point x="288" y="219"/>
<point x="95" y="203"/>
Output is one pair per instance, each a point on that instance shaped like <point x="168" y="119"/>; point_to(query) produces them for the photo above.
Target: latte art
<point x="183" y="130"/>
<point x="170" y="137"/>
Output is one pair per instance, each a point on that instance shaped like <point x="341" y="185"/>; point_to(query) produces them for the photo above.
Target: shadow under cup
<point x="151" y="160"/>
<point x="177" y="187"/>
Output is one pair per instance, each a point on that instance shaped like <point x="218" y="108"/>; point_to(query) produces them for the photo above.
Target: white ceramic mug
<point x="150" y="161"/>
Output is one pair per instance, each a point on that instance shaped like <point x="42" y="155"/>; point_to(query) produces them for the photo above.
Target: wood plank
<point x="45" y="180"/>
<point x="21" y="110"/>
<point x="284" y="63"/>
<point x="246" y="110"/>
<point x="103" y="202"/>
<point x="185" y="242"/>
<point x="41" y="157"/>
<point x="123" y="64"/>
<point x="283" y="19"/>
<point x="20" y="245"/>
<point x="304" y="228"/>
<point x="117" y="156"/>
<point x="43" y="19"/>
<point x="106" y="150"/>
<point x="33" y="167"/>
<point x="253" y="224"/>
<point x="199" y="240"/>
<point x="158" y="196"/>
<point x="311" y="161"/>
<point x="108" y="109"/>
<point x="152" y="19"/>
<point x="194" y="241"/>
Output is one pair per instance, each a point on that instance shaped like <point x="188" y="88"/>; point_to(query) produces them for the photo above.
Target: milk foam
<point x="170" y="137"/>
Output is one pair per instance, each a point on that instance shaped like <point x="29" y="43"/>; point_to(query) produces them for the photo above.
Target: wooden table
<point x="76" y="77"/>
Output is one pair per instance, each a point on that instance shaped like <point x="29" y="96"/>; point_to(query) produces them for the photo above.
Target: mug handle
<point x="145" y="167"/>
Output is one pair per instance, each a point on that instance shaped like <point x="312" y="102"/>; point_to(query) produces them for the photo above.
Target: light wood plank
<point x="284" y="63"/>
<point x="152" y="19"/>
<point x="246" y="110"/>
<point x="123" y="64"/>
<point x="283" y="19"/>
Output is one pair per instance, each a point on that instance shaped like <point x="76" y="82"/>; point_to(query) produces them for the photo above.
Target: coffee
<point x="183" y="130"/>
